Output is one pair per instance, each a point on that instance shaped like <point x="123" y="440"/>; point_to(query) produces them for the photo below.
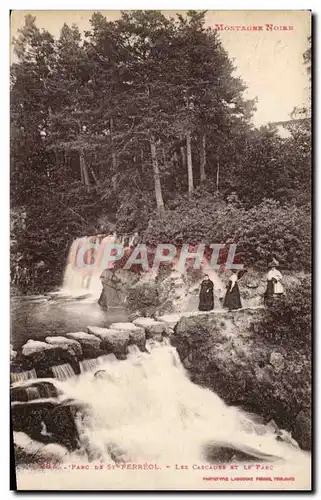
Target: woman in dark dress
<point x="232" y="298"/>
<point x="206" y="302"/>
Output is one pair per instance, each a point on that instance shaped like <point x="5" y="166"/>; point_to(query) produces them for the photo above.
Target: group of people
<point x="232" y="299"/>
<point x="28" y="276"/>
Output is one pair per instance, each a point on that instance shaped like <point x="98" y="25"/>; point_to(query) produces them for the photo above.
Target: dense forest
<point x="141" y="125"/>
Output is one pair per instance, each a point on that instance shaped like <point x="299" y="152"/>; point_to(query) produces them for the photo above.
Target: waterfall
<point x="32" y="393"/>
<point x="88" y="365"/>
<point x="146" y="410"/>
<point x="76" y="279"/>
<point x="21" y="376"/>
<point x="107" y="358"/>
<point x="79" y="280"/>
<point x="63" y="372"/>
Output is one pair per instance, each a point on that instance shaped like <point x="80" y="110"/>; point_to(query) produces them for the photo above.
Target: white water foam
<point x="146" y="410"/>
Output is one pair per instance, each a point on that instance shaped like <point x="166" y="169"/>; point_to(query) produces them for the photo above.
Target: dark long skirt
<point x="206" y="302"/>
<point x="232" y="298"/>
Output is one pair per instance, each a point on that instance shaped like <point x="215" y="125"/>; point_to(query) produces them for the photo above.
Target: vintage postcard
<point x="161" y="250"/>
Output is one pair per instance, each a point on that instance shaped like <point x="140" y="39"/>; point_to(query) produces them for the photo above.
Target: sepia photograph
<point x="161" y="250"/>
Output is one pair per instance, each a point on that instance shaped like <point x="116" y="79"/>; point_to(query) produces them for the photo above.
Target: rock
<point x="277" y="361"/>
<point x="42" y="356"/>
<point x="116" y="287"/>
<point x="91" y="345"/>
<point x="13" y="353"/>
<point x="46" y="421"/>
<point x="29" y="451"/>
<point x="102" y="301"/>
<point x="153" y="329"/>
<point x="33" y="346"/>
<point x="170" y="319"/>
<point x="271" y="425"/>
<point x="286" y="437"/>
<point x="188" y="362"/>
<point x="72" y="346"/>
<point x="194" y="332"/>
<point x="113" y="340"/>
<point x="222" y="353"/>
<point x="136" y="334"/>
<point x="33" y="389"/>
<point x="301" y="430"/>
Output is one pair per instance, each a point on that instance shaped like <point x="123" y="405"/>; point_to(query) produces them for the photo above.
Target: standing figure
<point x="232" y="298"/>
<point x="16" y="275"/>
<point x="274" y="287"/>
<point x="206" y="302"/>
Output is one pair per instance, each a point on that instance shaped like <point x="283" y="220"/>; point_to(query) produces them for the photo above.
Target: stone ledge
<point x="113" y="340"/>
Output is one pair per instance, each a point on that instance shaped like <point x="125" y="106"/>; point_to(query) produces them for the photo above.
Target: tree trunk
<point x="83" y="168"/>
<point x="217" y="175"/>
<point x="93" y="174"/>
<point x="203" y="159"/>
<point x="113" y="155"/>
<point x="183" y="156"/>
<point x="157" y="182"/>
<point x="82" y="180"/>
<point x="189" y="164"/>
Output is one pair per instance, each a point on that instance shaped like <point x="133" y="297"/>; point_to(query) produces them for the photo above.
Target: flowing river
<point x="144" y="424"/>
<point x="140" y="423"/>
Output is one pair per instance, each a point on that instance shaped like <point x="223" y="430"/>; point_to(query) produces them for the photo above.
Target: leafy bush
<point x="288" y="319"/>
<point x="143" y="298"/>
<point x="262" y="232"/>
<point x="274" y="230"/>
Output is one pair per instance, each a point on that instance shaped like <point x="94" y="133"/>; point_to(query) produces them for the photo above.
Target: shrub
<point x="144" y="298"/>
<point x="262" y="232"/>
<point x="287" y="320"/>
<point x="274" y="230"/>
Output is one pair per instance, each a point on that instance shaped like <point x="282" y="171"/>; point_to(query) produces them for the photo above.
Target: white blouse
<point x="274" y="273"/>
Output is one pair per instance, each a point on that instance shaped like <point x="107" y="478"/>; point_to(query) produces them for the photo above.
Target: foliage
<point x="287" y="321"/>
<point x="144" y="298"/>
<point x="262" y="232"/>
<point x="271" y="229"/>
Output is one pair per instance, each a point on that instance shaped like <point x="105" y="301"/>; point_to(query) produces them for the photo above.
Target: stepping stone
<point x="113" y="340"/>
<point x="73" y="346"/>
<point x="91" y="345"/>
<point x="170" y="319"/>
<point x="33" y="346"/>
<point x="154" y="329"/>
<point x="42" y="356"/>
<point x="136" y="334"/>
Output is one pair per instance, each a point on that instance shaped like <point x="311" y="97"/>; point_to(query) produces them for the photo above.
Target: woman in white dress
<point x="274" y="283"/>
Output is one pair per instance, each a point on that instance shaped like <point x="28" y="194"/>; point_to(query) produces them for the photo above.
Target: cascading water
<point x="146" y="410"/>
<point x="20" y="376"/>
<point x="63" y="372"/>
<point x="32" y="393"/>
<point x="78" y="279"/>
<point x="88" y="365"/>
